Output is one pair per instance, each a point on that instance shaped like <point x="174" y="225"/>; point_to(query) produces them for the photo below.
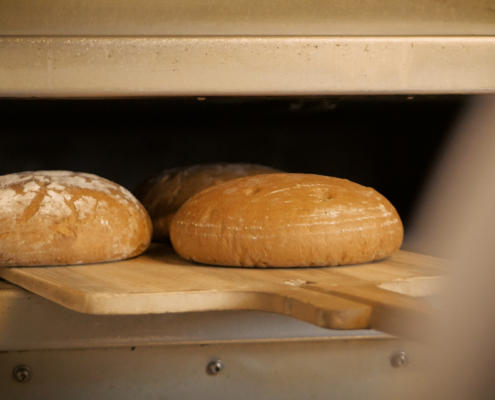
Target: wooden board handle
<point x="393" y="313"/>
<point x="324" y="310"/>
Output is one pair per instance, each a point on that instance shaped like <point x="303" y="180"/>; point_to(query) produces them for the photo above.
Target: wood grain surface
<point x="349" y="297"/>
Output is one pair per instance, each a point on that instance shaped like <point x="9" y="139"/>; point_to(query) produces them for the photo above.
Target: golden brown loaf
<point x="286" y="220"/>
<point x="61" y="217"/>
<point x="165" y="193"/>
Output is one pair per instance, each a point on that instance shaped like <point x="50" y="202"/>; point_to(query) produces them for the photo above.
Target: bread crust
<point x="163" y="194"/>
<point x="286" y="220"/>
<point x="63" y="217"/>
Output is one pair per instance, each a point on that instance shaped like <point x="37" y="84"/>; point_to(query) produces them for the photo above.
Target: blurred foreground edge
<point x="458" y="215"/>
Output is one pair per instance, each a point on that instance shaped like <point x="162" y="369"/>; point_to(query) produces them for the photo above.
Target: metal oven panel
<point x="290" y="369"/>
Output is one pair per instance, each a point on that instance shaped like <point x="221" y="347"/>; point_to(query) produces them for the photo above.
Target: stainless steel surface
<point x="326" y="369"/>
<point x="247" y="17"/>
<point x="214" y="66"/>
<point x="30" y="322"/>
<point x="22" y="373"/>
<point x="214" y="367"/>
<point x="399" y="359"/>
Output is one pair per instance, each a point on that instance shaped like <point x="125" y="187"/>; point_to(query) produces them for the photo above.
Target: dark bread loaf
<point x="164" y="194"/>
<point x="62" y="217"/>
<point x="286" y="220"/>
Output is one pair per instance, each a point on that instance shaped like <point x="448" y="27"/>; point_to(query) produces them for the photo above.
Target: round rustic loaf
<point x="62" y="217"/>
<point x="286" y="220"/>
<point x="164" y="194"/>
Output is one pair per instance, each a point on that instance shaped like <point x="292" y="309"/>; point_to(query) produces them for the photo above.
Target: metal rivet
<point x="214" y="367"/>
<point x="399" y="359"/>
<point x="22" y="373"/>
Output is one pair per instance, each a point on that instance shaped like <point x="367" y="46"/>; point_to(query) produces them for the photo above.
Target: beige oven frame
<point x="104" y="48"/>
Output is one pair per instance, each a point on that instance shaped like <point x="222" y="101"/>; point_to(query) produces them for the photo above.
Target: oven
<point x="125" y="90"/>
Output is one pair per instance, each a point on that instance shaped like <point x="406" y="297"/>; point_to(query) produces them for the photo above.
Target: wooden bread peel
<point x="159" y="281"/>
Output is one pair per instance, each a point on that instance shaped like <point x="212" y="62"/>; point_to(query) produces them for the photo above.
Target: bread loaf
<point x="61" y="217"/>
<point x="286" y="220"/>
<point x="164" y="194"/>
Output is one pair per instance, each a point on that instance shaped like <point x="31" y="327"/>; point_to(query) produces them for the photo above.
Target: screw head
<point x="399" y="359"/>
<point x="22" y="373"/>
<point x="214" y="367"/>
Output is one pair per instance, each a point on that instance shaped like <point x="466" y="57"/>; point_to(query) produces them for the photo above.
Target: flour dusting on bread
<point x="57" y="214"/>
